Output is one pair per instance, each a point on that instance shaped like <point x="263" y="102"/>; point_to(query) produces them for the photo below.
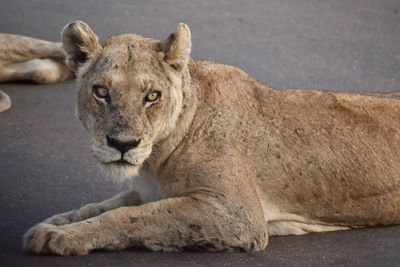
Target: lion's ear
<point x="80" y="44"/>
<point x="177" y="47"/>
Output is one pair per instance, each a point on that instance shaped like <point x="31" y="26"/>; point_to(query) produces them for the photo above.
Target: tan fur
<point x="234" y="160"/>
<point x="5" y="102"/>
<point x="28" y="59"/>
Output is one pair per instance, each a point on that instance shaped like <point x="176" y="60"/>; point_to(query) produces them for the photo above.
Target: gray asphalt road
<point x="46" y="166"/>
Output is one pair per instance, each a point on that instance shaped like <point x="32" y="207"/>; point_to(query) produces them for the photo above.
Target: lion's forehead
<point x="124" y="65"/>
<point x="128" y="60"/>
<point x="123" y="60"/>
<point x="130" y="50"/>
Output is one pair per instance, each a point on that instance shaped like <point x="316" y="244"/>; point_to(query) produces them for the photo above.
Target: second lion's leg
<point x="16" y="48"/>
<point x="41" y="71"/>
<point x="127" y="198"/>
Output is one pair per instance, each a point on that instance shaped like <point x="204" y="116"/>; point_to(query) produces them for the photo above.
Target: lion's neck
<point x="163" y="149"/>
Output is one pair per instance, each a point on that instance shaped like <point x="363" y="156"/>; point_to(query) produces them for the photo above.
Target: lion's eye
<point x="153" y="97"/>
<point x="101" y="92"/>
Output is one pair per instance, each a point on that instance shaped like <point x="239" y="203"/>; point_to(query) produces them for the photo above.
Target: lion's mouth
<point x="121" y="162"/>
<point x="121" y="169"/>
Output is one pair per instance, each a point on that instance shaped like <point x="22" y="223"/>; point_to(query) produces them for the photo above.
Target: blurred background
<point x="352" y="45"/>
<point x="46" y="165"/>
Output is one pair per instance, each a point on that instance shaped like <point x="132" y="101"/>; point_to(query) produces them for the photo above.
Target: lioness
<point x="24" y="58"/>
<point x="221" y="161"/>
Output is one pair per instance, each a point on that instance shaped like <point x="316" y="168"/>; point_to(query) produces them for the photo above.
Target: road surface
<point x="46" y="165"/>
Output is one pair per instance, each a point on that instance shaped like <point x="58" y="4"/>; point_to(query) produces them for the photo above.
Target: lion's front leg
<point x="168" y="225"/>
<point x="127" y="198"/>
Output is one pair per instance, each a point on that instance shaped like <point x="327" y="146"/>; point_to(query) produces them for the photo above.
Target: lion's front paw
<point x="49" y="239"/>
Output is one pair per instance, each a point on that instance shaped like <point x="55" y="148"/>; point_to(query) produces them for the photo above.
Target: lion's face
<point x="127" y="103"/>
<point x="129" y="96"/>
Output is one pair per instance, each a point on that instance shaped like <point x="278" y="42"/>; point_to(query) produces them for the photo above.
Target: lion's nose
<point x="122" y="146"/>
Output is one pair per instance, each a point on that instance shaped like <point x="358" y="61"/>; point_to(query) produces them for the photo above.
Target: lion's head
<point x="129" y="91"/>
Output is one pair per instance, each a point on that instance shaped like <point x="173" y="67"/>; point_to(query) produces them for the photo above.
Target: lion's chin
<point x="121" y="172"/>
